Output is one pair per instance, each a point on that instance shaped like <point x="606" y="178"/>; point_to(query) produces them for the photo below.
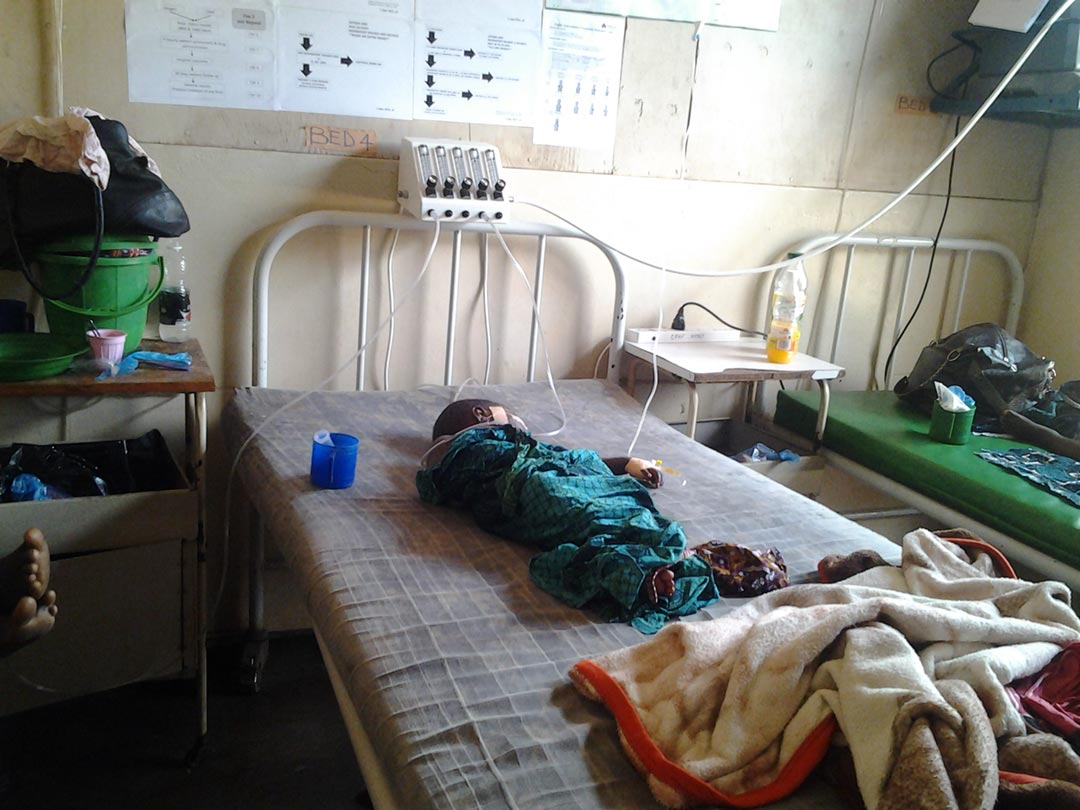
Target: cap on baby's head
<point x="462" y="414"/>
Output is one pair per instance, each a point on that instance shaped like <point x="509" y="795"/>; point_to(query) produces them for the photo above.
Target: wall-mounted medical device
<point x="443" y="179"/>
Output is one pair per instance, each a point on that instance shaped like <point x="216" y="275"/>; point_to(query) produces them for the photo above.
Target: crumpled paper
<point x="64" y="144"/>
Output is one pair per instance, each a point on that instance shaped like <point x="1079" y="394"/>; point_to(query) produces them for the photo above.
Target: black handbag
<point x="998" y="371"/>
<point x="40" y="205"/>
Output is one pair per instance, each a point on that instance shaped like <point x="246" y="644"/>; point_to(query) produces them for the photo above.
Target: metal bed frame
<point x="255" y="651"/>
<point x="346" y="219"/>
<point x="905" y="249"/>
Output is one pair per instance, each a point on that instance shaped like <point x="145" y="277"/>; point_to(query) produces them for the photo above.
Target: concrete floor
<point x="285" y="747"/>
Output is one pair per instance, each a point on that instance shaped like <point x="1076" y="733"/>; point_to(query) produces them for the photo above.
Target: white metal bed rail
<point x="912" y="244"/>
<point x="367" y="221"/>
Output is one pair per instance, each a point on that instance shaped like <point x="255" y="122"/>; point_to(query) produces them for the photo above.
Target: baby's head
<point x="466" y="413"/>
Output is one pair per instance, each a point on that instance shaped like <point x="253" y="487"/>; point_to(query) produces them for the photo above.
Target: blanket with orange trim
<point x="906" y="665"/>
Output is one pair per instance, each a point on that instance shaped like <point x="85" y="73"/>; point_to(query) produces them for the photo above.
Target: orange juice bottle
<point x="788" y="305"/>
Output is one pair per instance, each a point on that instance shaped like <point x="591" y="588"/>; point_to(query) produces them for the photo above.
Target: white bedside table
<point x="740" y="360"/>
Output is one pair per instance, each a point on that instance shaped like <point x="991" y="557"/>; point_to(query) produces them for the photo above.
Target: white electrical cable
<point x="599" y="357"/>
<point x="216" y="604"/>
<point x="975" y="118"/>
<point x="390" y="301"/>
<point x="487" y="311"/>
<point x="655" y="370"/>
<point x="540" y="328"/>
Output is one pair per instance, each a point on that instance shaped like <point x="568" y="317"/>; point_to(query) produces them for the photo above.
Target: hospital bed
<point x="449" y="665"/>
<point x="883" y="442"/>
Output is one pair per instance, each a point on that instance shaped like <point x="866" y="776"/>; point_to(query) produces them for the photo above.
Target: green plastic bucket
<point x="115" y="296"/>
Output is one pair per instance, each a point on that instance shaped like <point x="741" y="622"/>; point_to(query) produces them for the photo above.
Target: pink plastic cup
<point x="107" y="344"/>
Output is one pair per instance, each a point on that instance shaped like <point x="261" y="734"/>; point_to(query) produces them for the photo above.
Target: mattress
<point x="455" y="662"/>
<point x="877" y="430"/>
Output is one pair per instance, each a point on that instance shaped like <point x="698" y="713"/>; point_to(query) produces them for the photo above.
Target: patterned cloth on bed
<point x="1056" y="473"/>
<point x="453" y="659"/>
<point x="600" y="533"/>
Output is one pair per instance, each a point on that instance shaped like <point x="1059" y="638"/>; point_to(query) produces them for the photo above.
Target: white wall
<point x="790" y="133"/>
<point x="1050" y="318"/>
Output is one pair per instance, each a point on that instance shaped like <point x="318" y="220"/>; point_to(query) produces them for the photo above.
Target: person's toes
<point x="34" y="586"/>
<point x="24" y="611"/>
<point x="37" y="552"/>
<point x="35" y="539"/>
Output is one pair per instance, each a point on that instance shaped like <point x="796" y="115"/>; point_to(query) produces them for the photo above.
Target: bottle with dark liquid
<point x="174" y="300"/>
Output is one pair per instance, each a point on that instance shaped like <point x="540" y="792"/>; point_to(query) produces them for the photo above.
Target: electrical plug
<point x="679" y="321"/>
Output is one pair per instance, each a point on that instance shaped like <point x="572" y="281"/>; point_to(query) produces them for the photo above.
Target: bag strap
<point x="99" y="216"/>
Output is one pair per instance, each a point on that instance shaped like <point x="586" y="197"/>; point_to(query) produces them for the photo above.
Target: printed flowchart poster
<point x="345" y="62"/>
<point x="203" y="54"/>
<point x="333" y="56"/>
<point x="480" y="72"/>
<point x="582" y="67"/>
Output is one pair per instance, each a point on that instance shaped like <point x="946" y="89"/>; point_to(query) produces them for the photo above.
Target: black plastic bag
<point x="998" y="371"/>
<point x="82" y="469"/>
<point x="60" y="473"/>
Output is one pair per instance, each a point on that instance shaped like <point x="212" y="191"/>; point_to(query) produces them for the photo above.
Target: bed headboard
<point x="452" y="231"/>
<point x="863" y="291"/>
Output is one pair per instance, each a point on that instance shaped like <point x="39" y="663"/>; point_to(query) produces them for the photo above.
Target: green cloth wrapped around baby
<point x="602" y="540"/>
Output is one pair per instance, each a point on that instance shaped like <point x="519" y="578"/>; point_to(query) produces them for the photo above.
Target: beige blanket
<point x="909" y="664"/>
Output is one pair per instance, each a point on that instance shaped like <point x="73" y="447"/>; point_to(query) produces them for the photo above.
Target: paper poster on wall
<point x="332" y="56"/>
<point x="201" y="53"/>
<point x="373" y="58"/>
<point x="477" y="61"/>
<point x="582" y="66"/>
<point x="344" y="62"/>
<point x="760" y="14"/>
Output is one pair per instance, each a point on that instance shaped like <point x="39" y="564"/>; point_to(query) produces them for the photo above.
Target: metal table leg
<point x="195" y="440"/>
<point x="257" y="644"/>
<point x="692" y="410"/>
<point x="823" y="412"/>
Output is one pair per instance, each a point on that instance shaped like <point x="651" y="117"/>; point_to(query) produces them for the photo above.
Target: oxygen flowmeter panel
<point x="442" y="179"/>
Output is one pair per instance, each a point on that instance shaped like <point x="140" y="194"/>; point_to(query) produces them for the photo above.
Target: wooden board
<point x="144" y="381"/>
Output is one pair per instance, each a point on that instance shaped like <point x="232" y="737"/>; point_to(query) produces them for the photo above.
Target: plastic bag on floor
<point x="762" y="452"/>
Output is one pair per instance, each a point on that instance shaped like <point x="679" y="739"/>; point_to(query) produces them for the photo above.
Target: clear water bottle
<point x="174" y="300"/>
<point x="788" y="305"/>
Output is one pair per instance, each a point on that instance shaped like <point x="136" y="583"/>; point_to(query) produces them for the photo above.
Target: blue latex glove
<point x="181" y="361"/>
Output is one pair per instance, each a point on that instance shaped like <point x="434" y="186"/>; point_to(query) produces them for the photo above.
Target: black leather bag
<point x="37" y="205"/>
<point x="998" y="371"/>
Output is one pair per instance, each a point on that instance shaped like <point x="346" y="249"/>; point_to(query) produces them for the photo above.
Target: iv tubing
<point x="296" y="400"/>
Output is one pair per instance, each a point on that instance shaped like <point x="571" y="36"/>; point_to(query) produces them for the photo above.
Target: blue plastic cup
<point x="333" y="460"/>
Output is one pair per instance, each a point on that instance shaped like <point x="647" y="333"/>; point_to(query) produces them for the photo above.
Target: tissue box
<point x="950" y="427"/>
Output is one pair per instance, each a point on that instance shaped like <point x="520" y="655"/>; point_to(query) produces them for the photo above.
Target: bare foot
<point x="25" y="571"/>
<point x="28" y="621"/>
<point x="837" y="567"/>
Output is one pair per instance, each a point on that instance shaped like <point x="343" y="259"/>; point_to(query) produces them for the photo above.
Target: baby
<point x="602" y="543"/>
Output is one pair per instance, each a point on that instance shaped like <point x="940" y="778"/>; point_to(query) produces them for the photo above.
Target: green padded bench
<point x="879" y="432"/>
